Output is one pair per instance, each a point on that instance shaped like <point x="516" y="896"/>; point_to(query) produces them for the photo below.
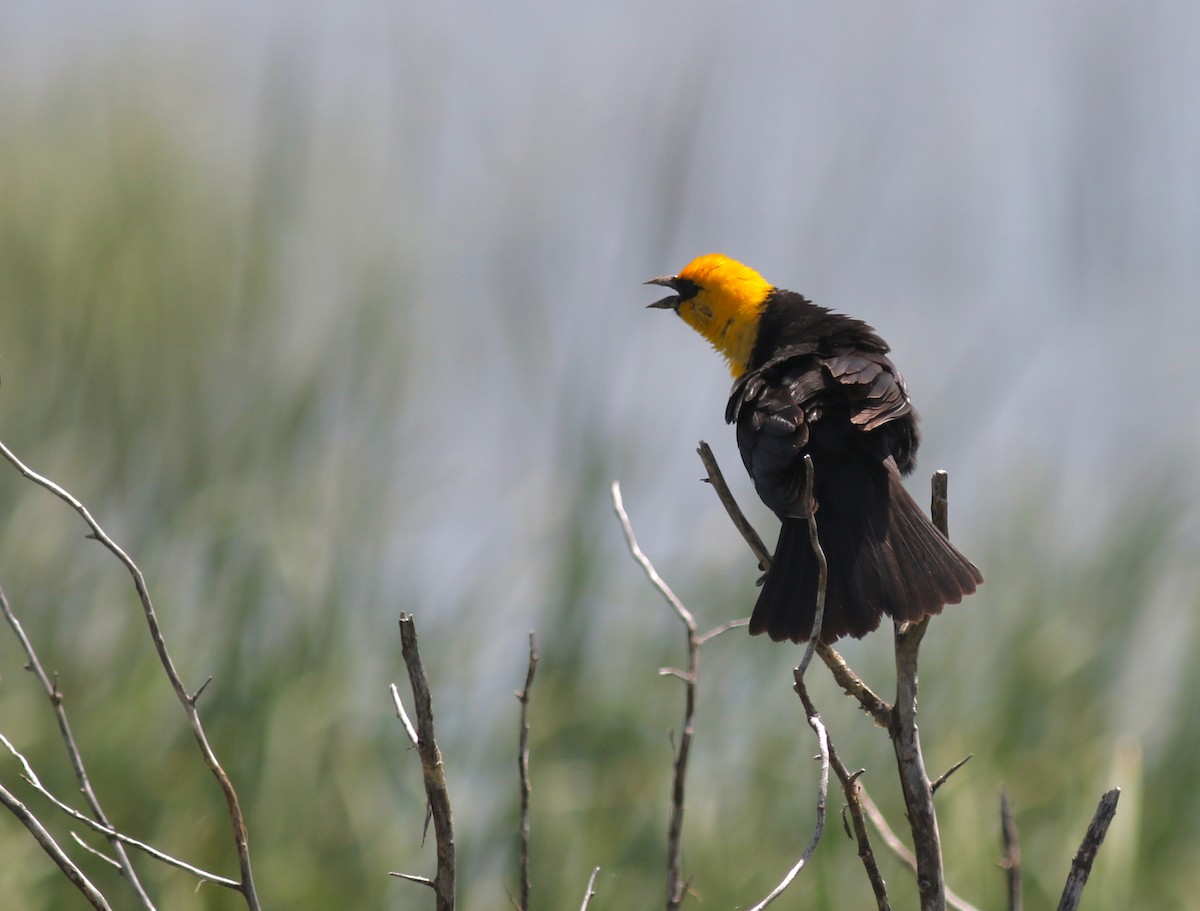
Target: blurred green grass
<point x="157" y="363"/>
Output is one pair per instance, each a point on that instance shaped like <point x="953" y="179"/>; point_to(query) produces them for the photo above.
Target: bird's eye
<point x="685" y="288"/>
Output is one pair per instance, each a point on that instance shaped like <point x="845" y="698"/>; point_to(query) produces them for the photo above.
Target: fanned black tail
<point x="884" y="557"/>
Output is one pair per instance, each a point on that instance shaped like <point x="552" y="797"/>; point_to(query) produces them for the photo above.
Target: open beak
<point x="667" y="303"/>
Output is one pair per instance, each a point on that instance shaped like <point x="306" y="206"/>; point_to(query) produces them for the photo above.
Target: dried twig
<point x="590" y="891"/>
<point x="64" y="728"/>
<point x="900" y="850"/>
<point x="740" y="522"/>
<point x="186" y="699"/>
<point x="403" y="715"/>
<point x="814" y="541"/>
<point x="814" y="721"/>
<point x="108" y="831"/>
<point x="1081" y="864"/>
<point x="853" y="685"/>
<point x="945" y="776"/>
<point x="1011" y="861"/>
<point x="523" y="770"/>
<point x="431" y="767"/>
<point x="851" y="789"/>
<point x="676" y="886"/>
<point x="50" y="846"/>
<point x="906" y="743"/>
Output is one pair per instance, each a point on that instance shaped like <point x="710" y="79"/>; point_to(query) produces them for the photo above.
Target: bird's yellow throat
<point x="727" y="308"/>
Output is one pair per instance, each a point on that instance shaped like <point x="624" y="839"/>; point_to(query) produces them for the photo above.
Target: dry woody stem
<point x="523" y="772"/>
<point x="187" y="700"/>
<point x="431" y="767"/>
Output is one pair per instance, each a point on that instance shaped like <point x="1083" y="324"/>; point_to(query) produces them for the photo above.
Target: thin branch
<point x="853" y="685"/>
<point x="108" y="831"/>
<point x="237" y="820"/>
<point x="900" y="850"/>
<point x="814" y="721"/>
<point x="402" y="715"/>
<point x="723" y="628"/>
<point x="72" y="748"/>
<point x="676" y="886"/>
<point x="945" y="776"/>
<point x="431" y="767"/>
<point x="50" y="846"/>
<point x="906" y="743"/>
<point x="523" y="770"/>
<point x="851" y="789"/>
<point x="95" y="852"/>
<point x="647" y="567"/>
<point x="850" y="682"/>
<point x="1011" y="861"/>
<point x="740" y="522"/>
<point x="1081" y="864"/>
<point x="822" y="567"/>
<point x="590" y="891"/>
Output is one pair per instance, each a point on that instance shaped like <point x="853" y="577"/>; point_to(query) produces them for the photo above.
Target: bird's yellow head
<point x="722" y="300"/>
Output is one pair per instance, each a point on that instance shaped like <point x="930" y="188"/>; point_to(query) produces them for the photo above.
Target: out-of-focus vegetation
<point x="323" y="359"/>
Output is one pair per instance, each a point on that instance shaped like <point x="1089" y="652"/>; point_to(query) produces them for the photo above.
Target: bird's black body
<point x="820" y="383"/>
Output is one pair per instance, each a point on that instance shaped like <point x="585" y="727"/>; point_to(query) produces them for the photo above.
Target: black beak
<point x="667" y="303"/>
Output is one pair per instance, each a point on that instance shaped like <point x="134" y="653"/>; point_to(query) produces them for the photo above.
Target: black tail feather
<point x="884" y="556"/>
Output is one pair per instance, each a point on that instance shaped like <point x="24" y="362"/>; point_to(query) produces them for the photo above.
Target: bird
<point x="808" y="381"/>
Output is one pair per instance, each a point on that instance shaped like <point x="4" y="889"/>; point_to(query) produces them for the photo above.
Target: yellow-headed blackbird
<point x="811" y="381"/>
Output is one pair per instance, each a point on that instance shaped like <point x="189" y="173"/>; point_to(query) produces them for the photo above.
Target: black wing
<point x="850" y="404"/>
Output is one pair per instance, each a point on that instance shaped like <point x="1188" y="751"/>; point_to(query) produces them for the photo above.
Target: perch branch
<point x="850" y="682"/>
<point x="906" y="743"/>
<point x="187" y="701"/>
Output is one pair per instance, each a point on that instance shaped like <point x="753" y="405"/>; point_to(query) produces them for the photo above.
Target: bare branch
<point x="72" y="748"/>
<point x="740" y="522"/>
<point x="814" y="721"/>
<point x="851" y="787"/>
<point x="723" y="628"/>
<point x="906" y="743"/>
<point x="423" y="880"/>
<point x="523" y="770"/>
<point x="237" y="820"/>
<point x="900" y="850"/>
<point x="651" y="573"/>
<point x="590" y="891"/>
<point x="945" y="776"/>
<point x="1081" y="864"/>
<point x="431" y="767"/>
<point x="108" y="831"/>
<point x="94" y="851"/>
<point x="50" y="846"/>
<point x="402" y="715"/>
<point x="1011" y="861"/>
<point x="822" y="567"/>
<point x="676" y="887"/>
<point x="853" y="685"/>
